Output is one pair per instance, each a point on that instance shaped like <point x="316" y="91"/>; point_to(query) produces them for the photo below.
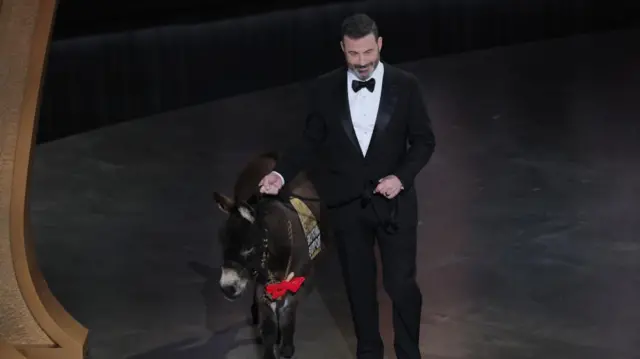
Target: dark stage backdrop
<point x="117" y="60"/>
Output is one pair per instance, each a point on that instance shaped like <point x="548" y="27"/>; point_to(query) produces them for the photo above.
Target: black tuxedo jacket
<point x="402" y="142"/>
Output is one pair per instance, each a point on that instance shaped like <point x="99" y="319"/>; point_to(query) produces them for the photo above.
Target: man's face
<point x="362" y="55"/>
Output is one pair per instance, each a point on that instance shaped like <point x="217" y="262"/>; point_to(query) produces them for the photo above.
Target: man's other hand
<point x="389" y="186"/>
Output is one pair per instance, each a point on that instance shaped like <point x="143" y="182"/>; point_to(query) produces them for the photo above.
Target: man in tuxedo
<point x="369" y="127"/>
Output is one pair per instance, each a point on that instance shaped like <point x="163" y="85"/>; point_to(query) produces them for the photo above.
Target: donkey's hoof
<point x="287" y="351"/>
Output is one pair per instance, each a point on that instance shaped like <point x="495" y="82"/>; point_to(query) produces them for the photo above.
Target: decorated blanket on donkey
<point x="298" y="221"/>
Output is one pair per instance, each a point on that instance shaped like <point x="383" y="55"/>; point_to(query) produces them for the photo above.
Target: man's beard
<point x="363" y="76"/>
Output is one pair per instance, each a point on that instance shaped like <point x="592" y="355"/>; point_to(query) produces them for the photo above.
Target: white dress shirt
<point x="364" y="105"/>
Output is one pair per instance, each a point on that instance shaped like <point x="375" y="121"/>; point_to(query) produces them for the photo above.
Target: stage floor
<point x="528" y="246"/>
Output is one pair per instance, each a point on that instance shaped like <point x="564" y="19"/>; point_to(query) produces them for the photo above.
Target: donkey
<point x="272" y="243"/>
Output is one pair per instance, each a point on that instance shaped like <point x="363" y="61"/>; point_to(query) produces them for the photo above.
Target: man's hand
<point x="271" y="184"/>
<point x="389" y="186"/>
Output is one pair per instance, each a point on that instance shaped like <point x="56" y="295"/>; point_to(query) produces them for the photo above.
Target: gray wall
<point x="103" y="79"/>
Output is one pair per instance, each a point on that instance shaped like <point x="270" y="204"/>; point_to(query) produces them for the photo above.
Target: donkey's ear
<point x="225" y="203"/>
<point x="246" y="212"/>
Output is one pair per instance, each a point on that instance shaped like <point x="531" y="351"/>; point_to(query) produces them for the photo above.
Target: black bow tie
<point x="358" y="85"/>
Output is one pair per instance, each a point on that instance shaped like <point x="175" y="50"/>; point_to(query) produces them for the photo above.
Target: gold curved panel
<point x="8" y="351"/>
<point x="33" y="324"/>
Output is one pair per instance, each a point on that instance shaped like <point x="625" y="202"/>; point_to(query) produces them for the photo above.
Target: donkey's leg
<point x="287" y="322"/>
<point x="255" y="319"/>
<point x="269" y="329"/>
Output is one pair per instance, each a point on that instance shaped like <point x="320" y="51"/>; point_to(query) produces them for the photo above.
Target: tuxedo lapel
<point x="344" y="111"/>
<point x="388" y="100"/>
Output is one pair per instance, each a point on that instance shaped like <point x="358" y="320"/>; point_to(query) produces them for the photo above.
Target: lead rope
<point x="290" y="261"/>
<point x="389" y="225"/>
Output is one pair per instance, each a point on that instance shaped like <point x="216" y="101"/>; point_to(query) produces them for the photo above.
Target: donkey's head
<point x="238" y="241"/>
